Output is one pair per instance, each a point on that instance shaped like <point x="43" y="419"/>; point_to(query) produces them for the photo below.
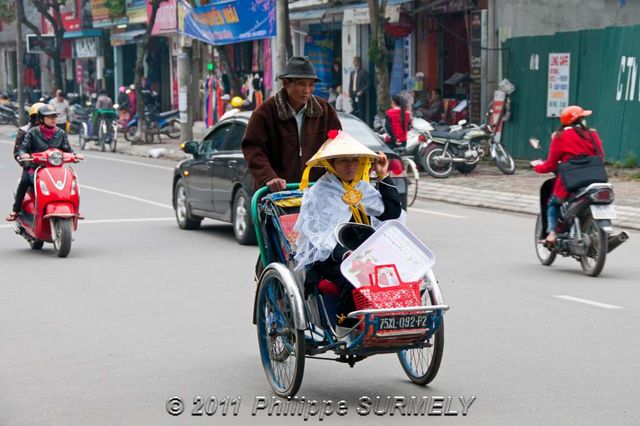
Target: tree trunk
<point x="378" y="54"/>
<point x="57" y="65"/>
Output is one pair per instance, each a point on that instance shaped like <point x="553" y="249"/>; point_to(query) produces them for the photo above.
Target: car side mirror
<point x="190" y="148"/>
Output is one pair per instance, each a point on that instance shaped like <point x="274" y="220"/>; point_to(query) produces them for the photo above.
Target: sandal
<point x="11" y="217"/>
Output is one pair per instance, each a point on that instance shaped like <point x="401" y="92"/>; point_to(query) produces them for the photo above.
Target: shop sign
<point x="360" y="15"/>
<point x="86" y="47"/>
<point x="400" y="29"/>
<point x="79" y="73"/>
<point x="230" y="21"/>
<point x="71" y="13"/>
<point x="37" y="45"/>
<point x="166" y="17"/>
<point x="136" y="11"/>
<point x="558" y="83"/>
<point x="448" y="6"/>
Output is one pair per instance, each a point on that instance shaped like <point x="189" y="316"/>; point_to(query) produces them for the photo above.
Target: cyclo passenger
<point x="343" y="194"/>
<point x="39" y="138"/>
<point x="574" y="138"/>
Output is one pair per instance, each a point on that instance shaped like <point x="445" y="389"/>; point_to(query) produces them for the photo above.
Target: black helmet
<point x="45" y="111"/>
<point x="299" y="67"/>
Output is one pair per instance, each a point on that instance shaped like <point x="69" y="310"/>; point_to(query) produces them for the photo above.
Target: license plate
<point x="607" y="211"/>
<point x="402" y="322"/>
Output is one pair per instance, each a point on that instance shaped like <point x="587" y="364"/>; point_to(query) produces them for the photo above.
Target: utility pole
<point x="184" y="90"/>
<point x="19" y="60"/>
<point x="281" y="35"/>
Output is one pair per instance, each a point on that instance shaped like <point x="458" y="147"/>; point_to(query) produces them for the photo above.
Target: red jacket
<point x="394" y="123"/>
<point x="565" y="145"/>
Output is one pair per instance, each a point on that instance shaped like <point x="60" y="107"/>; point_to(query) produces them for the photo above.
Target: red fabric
<point x="48" y="132"/>
<point x="328" y="287"/>
<point x="399" y="132"/>
<point x="564" y="146"/>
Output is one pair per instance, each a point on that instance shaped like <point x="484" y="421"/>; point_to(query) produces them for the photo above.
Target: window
<point x="215" y="140"/>
<point x="233" y="139"/>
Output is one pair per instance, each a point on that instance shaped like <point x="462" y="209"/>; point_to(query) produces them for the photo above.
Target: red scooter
<point x="50" y="211"/>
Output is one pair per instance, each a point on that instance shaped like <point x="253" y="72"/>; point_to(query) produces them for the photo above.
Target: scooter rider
<point x="22" y="131"/>
<point x="574" y="138"/>
<point x="39" y="138"/>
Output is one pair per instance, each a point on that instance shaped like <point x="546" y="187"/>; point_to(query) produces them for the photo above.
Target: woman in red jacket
<point x="397" y="121"/>
<point x="573" y="139"/>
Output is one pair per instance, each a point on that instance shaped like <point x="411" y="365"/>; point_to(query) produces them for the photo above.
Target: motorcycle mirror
<point x="462" y="122"/>
<point x="535" y="143"/>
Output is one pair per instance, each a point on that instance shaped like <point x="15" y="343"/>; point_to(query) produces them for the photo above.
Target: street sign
<point x="79" y="73"/>
<point x="37" y="45"/>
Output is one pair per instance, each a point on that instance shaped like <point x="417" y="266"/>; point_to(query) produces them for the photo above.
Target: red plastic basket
<point x="396" y="294"/>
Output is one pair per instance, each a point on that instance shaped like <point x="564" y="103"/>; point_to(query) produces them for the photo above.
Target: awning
<point x="318" y="14"/>
<point x="126" y="37"/>
<point x="82" y="33"/>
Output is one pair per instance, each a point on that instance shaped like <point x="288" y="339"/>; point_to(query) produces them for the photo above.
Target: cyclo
<point x="291" y="328"/>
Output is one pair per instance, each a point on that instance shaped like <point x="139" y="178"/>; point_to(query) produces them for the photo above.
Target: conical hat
<point x="340" y="145"/>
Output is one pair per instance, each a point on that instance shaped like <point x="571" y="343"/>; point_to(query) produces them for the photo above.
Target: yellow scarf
<point x="352" y="196"/>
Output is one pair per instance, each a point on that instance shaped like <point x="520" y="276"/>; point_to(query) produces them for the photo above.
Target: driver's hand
<point x="535" y="163"/>
<point x="25" y="156"/>
<point x="277" y="184"/>
<point x="79" y="157"/>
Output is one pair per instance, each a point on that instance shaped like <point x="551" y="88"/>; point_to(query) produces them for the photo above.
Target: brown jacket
<point x="270" y="143"/>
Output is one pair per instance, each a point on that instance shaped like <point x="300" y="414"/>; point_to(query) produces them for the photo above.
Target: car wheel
<point x="241" y="216"/>
<point x="183" y="212"/>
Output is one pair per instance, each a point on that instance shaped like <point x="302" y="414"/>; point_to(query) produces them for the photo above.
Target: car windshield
<point x="361" y="132"/>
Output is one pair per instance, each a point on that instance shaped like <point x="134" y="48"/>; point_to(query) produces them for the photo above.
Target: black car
<point x="217" y="184"/>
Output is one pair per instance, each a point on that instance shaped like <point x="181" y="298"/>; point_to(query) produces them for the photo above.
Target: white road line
<point x="135" y="163"/>
<point x="108" y="221"/>
<point x="587" y="302"/>
<point x="455" y="216"/>
<point x="130" y="197"/>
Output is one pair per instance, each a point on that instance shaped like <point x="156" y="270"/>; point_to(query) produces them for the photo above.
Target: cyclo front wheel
<point x="413" y="178"/>
<point x="421" y="365"/>
<point x="281" y="343"/>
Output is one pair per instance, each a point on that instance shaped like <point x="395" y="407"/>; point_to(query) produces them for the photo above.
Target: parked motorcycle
<point x="9" y="115"/>
<point x="461" y="147"/>
<point x="585" y="231"/>
<point x="50" y="211"/>
<point x="164" y="123"/>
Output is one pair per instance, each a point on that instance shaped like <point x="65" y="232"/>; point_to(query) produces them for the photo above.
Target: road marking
<point x="130" y="197"/>
<point x="108" y="221"/>
<point x="587" y="302"/>
<point x="136" y="163"/>
<point x="455" y="216"/>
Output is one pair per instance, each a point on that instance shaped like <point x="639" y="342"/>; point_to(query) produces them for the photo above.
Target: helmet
<point x="34" y="108"/>
<point x="573" y="113"/>
<point x="236" y="102"/>
<point x="46" y="110"/>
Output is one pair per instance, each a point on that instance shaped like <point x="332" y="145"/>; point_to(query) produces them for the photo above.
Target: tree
<point x="378" y="53"/>
<point x="50" y="10"/>
<point x="141" y="52"/>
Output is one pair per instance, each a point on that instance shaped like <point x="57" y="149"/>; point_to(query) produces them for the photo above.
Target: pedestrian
<point x="61" y="106"/>
<point x="573" y="139"/>
<point x="435" y="109"/>
<point x="397" y="122"/>
<point x="343" y="102"/>
<point x="358" y="85"/>
<point x="288" y="128"/>
<point x="39" y="138"/>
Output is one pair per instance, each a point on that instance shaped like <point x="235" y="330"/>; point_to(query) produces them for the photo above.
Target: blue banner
<point x="319" y="49"/>
<point x="230" y="21"/>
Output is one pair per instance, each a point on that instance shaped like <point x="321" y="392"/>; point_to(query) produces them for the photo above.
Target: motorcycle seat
<point x="168" y="113"/>
<point x="445" y="134"/>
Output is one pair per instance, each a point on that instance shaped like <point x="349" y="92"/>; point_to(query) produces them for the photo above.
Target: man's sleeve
<point x="365" y="80"/>
<point x="391" y="199"/>
<point x="551" y="163"/>
<point x="254" y="149"/>
<point x="65" y="145"/>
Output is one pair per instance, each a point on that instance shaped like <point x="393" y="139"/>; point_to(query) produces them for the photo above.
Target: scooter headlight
<point x="55" y="158"/>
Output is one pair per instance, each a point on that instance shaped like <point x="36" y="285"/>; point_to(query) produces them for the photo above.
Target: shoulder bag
<point x="583" y="170"/>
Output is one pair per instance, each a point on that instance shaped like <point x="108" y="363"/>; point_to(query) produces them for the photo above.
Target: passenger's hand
<point x="277" y="184"/>
<point x="535" y="163"/>
<point x="381" y="166"/>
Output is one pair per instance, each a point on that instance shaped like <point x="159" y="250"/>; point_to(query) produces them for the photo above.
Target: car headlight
<point x="55" y="158"/>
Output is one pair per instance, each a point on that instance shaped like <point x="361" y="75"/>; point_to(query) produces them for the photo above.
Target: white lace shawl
<point x="322" y="210"/>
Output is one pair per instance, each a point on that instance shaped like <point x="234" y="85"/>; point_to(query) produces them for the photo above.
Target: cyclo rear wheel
<point x="422" y="365"/>
<point x="281" y="343"/>
<point x="413" y="178"/>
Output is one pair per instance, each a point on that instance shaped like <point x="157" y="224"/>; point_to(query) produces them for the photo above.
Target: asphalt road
<point x="142" y="311"/>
